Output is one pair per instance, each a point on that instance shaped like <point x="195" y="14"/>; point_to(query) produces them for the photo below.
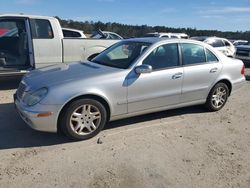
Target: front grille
<point x="20" y="90"/>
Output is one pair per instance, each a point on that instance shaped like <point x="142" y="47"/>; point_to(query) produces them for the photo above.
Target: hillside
<point x="139" y="30"/>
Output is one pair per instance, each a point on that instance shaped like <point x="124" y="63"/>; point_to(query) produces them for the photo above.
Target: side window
<point x="41" y="29"/>
<point x="211" y="57"/>
<point x="74" y="34"/>
<point x="67" y="33"/>
<point x="192" y="54"/>
<point x="162" y="57"/>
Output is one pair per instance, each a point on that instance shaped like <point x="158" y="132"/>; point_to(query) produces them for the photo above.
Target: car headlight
<point x="32" y="98"/>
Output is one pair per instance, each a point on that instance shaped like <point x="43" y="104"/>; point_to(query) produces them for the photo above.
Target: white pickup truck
<point x="30" y="42"/>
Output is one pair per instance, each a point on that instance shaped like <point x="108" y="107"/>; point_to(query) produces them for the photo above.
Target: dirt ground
<point x="188" y="147"/>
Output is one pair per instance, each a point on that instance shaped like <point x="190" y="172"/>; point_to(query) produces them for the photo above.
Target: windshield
<point x="122" y="54"/>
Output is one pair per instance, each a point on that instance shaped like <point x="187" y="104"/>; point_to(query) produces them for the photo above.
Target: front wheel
<point x="217" y="97"/>
<point x="83" y="119"/>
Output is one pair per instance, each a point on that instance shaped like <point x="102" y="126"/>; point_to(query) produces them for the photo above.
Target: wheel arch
<point x="100" y="99"/>
<point x="227" y="82"/>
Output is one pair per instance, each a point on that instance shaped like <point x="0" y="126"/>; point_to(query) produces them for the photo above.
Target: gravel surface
<point x="188" y="147"/>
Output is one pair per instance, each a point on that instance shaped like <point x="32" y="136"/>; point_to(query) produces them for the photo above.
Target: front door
<point x="14" y="44"/>
<point x="161" y="87"/>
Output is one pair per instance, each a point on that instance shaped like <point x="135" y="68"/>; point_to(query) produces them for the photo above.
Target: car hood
<point x="64" y="73"/>
<point x="243" y="47"/>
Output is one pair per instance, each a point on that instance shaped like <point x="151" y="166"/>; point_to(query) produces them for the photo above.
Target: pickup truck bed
<point x="80" y="49"/>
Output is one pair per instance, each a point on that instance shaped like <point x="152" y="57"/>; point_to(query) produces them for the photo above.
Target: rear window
<point x="215" y="42"/>
<point x="41" y="29"/>
<point x="227" y="43"/>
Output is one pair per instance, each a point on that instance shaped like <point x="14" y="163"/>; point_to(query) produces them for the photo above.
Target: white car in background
<point x="167" y="35"/>
<point x="73" y="33"/>
<point x="112" y="35"/>
<point x="223" y="45"/>
<point x="105" y="35"/>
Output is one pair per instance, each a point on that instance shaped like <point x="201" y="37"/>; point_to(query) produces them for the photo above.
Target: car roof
<point x="26" y="16"/>
<point x="155" y="40"/>
<point x="147" y="39"/>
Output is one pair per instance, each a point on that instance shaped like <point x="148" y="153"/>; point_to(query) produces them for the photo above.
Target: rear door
<point x="47" y="43"/>
<point x="201" y="68"/>
<point x="160" y="88"/>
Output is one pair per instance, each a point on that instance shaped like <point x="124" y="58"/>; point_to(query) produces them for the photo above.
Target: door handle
<point x="213" y="70"/>
<point x="177" y="75"/>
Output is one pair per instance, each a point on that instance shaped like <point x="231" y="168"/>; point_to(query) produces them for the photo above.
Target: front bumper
<point x="30" y="115"/>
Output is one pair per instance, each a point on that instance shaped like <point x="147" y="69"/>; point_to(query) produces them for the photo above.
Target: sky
<point x="223" y="15"/>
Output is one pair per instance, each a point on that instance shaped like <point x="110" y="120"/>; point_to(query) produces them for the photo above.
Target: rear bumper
<point x="30" y="116"/>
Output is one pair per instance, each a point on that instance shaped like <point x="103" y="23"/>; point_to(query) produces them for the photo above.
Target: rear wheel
<point x="83" y="119"/>
<point x="217" y="97"/>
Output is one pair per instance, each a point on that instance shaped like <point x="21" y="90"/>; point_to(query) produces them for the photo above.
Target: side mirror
<point x="92" y="56"/>
<point x="141" y="69"/>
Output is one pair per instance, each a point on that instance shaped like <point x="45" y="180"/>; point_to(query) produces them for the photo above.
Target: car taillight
<point x="243" y="70"/>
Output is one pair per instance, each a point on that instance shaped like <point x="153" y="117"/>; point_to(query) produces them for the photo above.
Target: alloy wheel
<point x="219" y="97"/>
<point x="85" y="119"/>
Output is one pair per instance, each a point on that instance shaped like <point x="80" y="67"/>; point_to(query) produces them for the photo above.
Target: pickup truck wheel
<point x="217" y="97"/>
<point x="83" y="119"/>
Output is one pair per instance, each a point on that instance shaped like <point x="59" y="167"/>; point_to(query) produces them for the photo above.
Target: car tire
<point x="217" y="97"/>
<point x="83" y="119"/>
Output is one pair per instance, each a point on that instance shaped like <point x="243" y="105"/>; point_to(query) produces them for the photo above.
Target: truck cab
<point x="28" y="42"/>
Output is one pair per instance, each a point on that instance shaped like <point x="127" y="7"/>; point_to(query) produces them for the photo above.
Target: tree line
<point x="128" y="31"/>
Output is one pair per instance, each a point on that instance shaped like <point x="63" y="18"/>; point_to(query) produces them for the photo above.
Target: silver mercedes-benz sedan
<point x="132" y="77"/>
